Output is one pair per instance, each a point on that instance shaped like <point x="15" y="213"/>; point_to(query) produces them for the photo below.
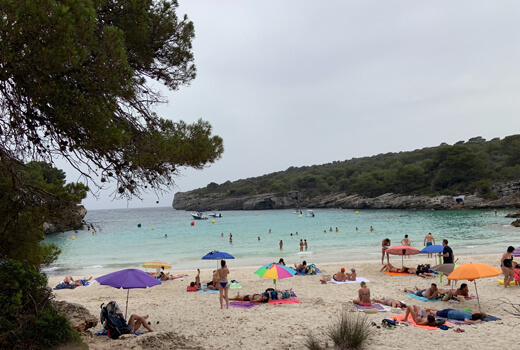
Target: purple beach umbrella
<point x="128" y="279"/>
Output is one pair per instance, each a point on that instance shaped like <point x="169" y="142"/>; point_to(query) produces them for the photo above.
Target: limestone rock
<point x="508" y="197"/>
<point x="71" y="221"/>
<point x="79" y="317"/>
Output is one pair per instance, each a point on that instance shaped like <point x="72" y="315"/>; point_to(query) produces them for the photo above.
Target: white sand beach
<point x="198" y="317"/>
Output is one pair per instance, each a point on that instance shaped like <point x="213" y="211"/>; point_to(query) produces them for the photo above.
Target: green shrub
<point x="27" y="318"/>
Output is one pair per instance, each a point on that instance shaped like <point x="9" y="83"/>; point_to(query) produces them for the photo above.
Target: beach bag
<point x="389" y="321"/>
<point x="274" y="295"/>
<point x="286" y="294"/>
<point x="311" y="270"/>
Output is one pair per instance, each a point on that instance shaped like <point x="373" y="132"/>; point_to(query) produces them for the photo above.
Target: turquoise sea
<point x="119" y="243"/>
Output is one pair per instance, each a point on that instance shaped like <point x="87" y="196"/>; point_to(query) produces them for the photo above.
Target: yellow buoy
<point x="299" y="216"/>
<point x="73" y="238"/>
<point x="212" y="221"/>
<point x="152" y="228"/>
<point x="357" y="212"/>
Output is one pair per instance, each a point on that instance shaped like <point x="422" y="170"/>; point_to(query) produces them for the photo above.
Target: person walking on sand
<point x="301" y="245"/>
<point x="305" y="244"/>
<point x="223" y="288"/>
<point x="384" y="246"/>
<point x="428" y="241"/>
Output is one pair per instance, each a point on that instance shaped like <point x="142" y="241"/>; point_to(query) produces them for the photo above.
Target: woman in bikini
<point x="390" y="302"/>
<point x="223" y="272"/>
<point x="390" y="268"/>
<point x="506" y="263"/>
<point x="364" y="296"/>
<point x="254" y="298"/>
<point x="384" y="246"/>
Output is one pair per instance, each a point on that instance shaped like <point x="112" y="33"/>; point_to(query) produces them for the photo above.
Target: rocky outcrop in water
<point x="66" y="221"/>
<point x="508" y="197"/>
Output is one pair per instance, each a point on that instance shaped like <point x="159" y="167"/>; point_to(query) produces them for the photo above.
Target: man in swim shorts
<point x="430" y="293"/>
<point x="428" y="241"/>
<point x="340" y="276"/>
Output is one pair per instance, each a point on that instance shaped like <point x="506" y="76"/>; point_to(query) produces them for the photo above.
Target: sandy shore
<point x="198" y="316"/>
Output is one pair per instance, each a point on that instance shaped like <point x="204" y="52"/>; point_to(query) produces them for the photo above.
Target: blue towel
<point x="492" y="318"/>
<point x="421" y="298"/>
<point x="304" y="274"/>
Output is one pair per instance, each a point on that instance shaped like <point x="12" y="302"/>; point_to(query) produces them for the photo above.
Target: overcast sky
<point x="299" y="82"/>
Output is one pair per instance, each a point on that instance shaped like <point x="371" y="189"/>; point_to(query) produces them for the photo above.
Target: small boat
<point x="310" y="213"/>
<point x="199" y="215"/>
<point x="297" y="211"/>
<point x="215" y="215"/>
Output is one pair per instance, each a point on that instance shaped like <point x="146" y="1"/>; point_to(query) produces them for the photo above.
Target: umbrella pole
<point x="476" y="291"/>
<point x="126" y="309"/>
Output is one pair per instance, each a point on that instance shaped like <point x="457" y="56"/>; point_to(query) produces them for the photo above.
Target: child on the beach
<point x="517" y="274"/>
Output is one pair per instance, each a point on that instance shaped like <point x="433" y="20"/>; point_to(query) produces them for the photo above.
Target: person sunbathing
<point x="213" y="284"/>
<point x="82" y="282"/>
<point x="195" y="286"/>
<point x="340" y="276"/>
<point x="417" y="272"/>
<point x="254" y="298"/>
<point x="390" y="302"/>
<point x="460" y="315"/>
<point x="462" y="293"/>
<point x="420" y="316"/>
<point x="301" y="267"/>
<point x="68" y="279"/>
<point x="391" y="268"/>
<point x="351" y="276"/>
<point x="167" y="277"/>
<point x="430" y="293"/>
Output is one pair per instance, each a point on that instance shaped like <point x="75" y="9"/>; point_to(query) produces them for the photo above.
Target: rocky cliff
<point x="508" y="197"/>
<point x="66" y="221"/>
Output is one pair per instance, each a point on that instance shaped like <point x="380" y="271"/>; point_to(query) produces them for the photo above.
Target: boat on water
<point x="199" y="216"/>
<point x="297" y="211"/>
<point x="215" y="215"/>
<point x="310" y="213"/>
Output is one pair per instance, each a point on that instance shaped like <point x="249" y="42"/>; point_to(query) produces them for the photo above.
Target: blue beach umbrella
<point x="436" y="248"/>
<point x="216" y="255"/>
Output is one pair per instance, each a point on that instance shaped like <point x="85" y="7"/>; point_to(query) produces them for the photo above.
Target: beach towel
<point x="304" y="274"/>
<point x="64" y="286"/>
<point x="400" y="318"/>
<point x="358" y="280"/>
<point x="377" y="306"/>
<point x="284" y="301"/>
<point x="422" y="298"/>
<point x="235" y="285"/>
<point x="243" y="304"/>
<point x="396" y="273"/>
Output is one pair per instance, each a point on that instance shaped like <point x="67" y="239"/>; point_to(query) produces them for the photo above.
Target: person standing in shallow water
<point x="281" y="244"/>
<point x="301" y="245"/>
<point x="428" y="241"/>
<point x="305" y="244"/>
<point x="223" y="288"/>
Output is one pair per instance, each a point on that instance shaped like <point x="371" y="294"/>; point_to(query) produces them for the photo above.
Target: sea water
<point x="125" y="238"/>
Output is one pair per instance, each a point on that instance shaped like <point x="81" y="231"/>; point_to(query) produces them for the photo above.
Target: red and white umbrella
<point x="402" y="250"/>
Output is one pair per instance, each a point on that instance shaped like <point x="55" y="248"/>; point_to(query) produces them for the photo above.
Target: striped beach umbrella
<point x="275" y="272"/>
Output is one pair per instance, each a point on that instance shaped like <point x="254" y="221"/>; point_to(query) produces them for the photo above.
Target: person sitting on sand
<point x="136" y="321"/>
<point x="430" y="293"/>
<point x="195" y="286"/>
<point x="420" y="316"/>
<point x="82" y="282"/>
<point x="340" y="276"/>
<point x="364" y="296"/>
<point x="351" y="276"/>
<point x="390" y="302"/>
<point x="213" y="284"/>
<point x="301" y="267"/>
<point x="254" y="298"/>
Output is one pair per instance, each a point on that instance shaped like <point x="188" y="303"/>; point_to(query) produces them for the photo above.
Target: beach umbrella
<point x="216" y="255"/>
<point x="434" y="248"/>
<point x="472" y="272"/>
<point x="275" y="272"/>
<point x="516" y="252"/>
<point x="402" y="250"/>
<point x="157" y="265"/>
<point x="128" y="279"/>
<point x="444" y="268"/>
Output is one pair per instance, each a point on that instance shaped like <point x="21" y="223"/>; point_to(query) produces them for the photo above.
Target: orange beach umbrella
<point x="473" y="271"/>
<point x="157" y="265"/>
